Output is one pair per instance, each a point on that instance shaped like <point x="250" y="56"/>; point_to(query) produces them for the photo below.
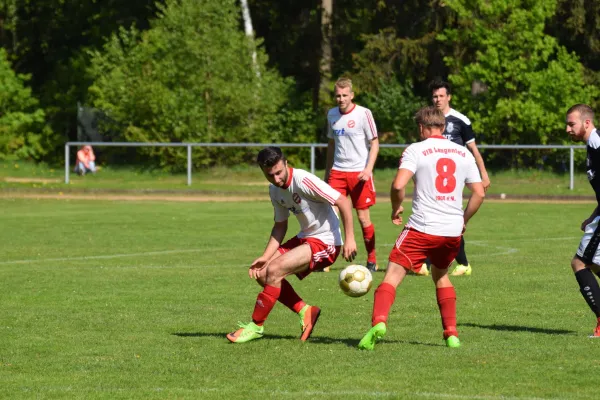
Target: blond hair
<point x="344" y="83"/>
<point x="431" y="117"/>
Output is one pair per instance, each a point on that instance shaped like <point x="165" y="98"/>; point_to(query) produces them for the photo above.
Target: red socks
<point x="369" y="238"/>
<point x="384" y="298"/>
<point x="446" y="299"/>
<point x="290" y="298"/>
<point x="264" y="304"/>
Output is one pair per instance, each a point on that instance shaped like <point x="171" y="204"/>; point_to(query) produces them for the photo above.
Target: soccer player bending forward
<point x="440" y="170"/>
<point x="316" y="246"/>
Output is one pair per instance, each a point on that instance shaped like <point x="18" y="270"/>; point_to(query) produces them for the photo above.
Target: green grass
<point x="122" y="300"/>
<point x="248" y="180"/>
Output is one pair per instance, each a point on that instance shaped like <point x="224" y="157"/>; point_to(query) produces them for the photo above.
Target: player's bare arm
<point x="485" y="179"/>
<point x="329" y="160"/>
<point x="277" y="234"/>
<point x="398" y="193"/>
<point x="590" y="219"/>
<point x="373" y="151"/>
<point x="345" y="207"/>
<point x="475" y="201"/>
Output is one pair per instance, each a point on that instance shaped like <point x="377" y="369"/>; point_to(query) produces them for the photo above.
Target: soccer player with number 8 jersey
<point x="440" y="170"/>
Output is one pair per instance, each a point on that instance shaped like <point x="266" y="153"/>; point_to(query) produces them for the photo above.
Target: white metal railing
<point x="312" y="146"/>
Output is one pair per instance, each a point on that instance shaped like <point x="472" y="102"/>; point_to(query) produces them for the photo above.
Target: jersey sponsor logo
<point x="450" y="127"/>
<point x="339" y="132"/>
<point x="351" y="124"/>
<point x="296" y="198"/>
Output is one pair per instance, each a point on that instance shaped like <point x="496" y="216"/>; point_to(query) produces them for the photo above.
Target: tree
<point x="189" y="79"/>
<point x="48" y="40"/>
<point x="22" y="125"/>
<point x="515" y="80"/>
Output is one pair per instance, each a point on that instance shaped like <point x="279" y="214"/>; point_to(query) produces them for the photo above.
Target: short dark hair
<point x="431" y="117"/>
<point x="269" y="156"/>
<point x="438" y="84"/>
<point x="584" y="110"/>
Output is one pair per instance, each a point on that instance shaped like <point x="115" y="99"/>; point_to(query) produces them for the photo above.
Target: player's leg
<point x="463" y="267"/>
<point x="587" y="258"/>
<point x="589" y="289"/>
<point x="443" y="256"/>
<point x="294" y="261"/>
<point x="363" y="197"/>
<point x="368" y="231"/>
<point x="384" y="298"/>
<point x="406" y="254"/>
<point x="338" y="181"/>
<point x="322" y="256"/>
<point x="288" y="296"/>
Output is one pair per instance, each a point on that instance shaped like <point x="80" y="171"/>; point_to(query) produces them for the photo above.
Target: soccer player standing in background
<point x="315" y="247"/>
<point x="458" y="129"/>
<point x="351" y="154"/>
<point x="440" y="170"/>
<point x="580" y="127"/>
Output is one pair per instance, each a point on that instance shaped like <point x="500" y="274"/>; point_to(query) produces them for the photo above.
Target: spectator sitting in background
<point x="85" y="161"/>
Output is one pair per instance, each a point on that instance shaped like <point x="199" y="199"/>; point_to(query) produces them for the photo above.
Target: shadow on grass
<point x="518" y="328"/>
<point x="314" y="339"/>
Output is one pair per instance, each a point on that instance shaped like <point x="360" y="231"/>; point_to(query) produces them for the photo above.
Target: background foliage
<point x="181" y="70"/>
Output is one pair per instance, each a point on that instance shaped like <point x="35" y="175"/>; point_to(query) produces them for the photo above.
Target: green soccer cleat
<point x="452" y="341"/>
<point x="374" y="334"/>
<point x="246" y="333"/>
<point x="462" y="270"/>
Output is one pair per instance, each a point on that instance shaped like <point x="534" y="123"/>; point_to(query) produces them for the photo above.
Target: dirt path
<point x="177" y="197"/>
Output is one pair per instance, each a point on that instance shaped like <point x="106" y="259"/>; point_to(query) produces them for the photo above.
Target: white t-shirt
<point x="441" y="170"/>
<point x="310" y="200"/>
<point x="352" y="133"/>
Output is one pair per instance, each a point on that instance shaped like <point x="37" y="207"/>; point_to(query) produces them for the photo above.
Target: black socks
<point x="589" y="289"/>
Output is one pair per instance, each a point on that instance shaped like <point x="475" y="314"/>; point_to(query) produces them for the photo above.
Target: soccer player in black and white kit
<point x="458" y="129"/>
<point x="580" y="127"/>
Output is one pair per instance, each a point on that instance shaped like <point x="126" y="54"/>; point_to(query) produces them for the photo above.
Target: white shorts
<point x="589" y="247"/>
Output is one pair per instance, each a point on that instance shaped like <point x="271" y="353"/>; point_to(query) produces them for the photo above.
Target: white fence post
<point x="571" y="168"/>
<point x="312" y="159"/>
<point x="67" y="163"/>
<point x="189" y="164"/>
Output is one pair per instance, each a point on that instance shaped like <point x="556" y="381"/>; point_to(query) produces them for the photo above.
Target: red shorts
<point x="362" y="193"/>
<point x="413" y="247"/>
<point x="323" y="255"/>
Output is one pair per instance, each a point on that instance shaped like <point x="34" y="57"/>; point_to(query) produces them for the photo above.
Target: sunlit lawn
<point x="123" y="300"/>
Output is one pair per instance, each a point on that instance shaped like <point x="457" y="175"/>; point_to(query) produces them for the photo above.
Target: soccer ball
<point x="355" y="280"/>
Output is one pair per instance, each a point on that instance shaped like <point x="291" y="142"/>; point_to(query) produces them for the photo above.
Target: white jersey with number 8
<point x="441" y="170"/>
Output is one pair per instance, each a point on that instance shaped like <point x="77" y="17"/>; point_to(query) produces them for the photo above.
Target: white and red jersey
<point x="310" y="200"/>
<point x="352" y="132"/>
<point x="441" y="170"/>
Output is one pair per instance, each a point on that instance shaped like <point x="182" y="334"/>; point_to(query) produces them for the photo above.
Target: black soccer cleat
<point x="371" y="266"/>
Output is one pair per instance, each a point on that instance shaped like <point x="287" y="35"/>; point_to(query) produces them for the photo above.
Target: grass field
<point x="122" y="300"/>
